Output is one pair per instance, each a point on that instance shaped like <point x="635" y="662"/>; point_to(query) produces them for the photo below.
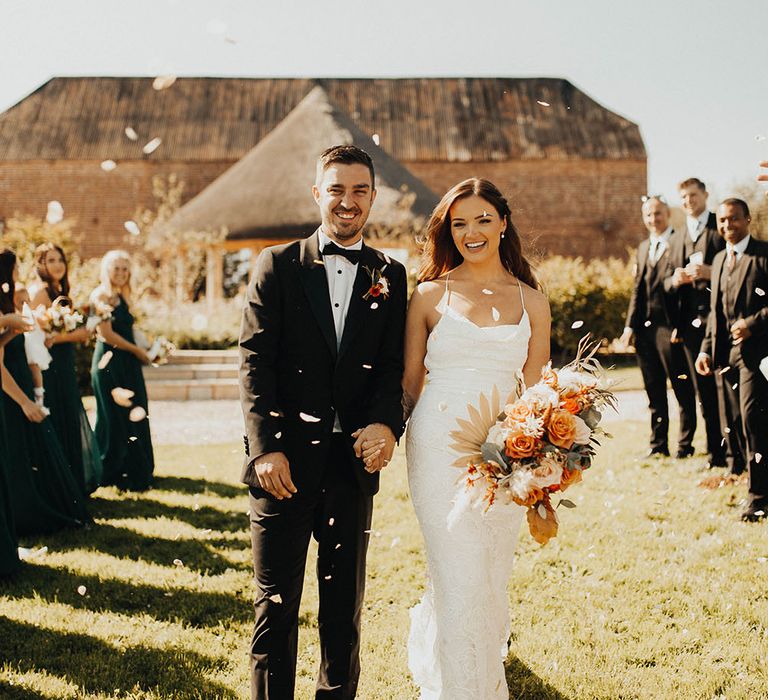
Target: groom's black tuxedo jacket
<point x="292" y="377"/>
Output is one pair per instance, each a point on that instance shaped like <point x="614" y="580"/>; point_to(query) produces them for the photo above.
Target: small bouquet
<point x="60" y="317"/>
<point x="160" y="350"/>
<point x="539" y="445"/>
<point x="97" y="312"/>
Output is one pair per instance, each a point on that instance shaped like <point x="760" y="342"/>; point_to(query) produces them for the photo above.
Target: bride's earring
<point x="502" y="234"/>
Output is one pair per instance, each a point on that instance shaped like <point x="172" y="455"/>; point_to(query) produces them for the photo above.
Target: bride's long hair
<point x="439" y="253"/>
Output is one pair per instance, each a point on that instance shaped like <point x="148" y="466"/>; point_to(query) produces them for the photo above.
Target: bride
<point x="473" y="322"/>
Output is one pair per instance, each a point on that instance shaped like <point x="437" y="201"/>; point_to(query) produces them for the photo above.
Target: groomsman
<point x="689" y="268"/>
<point x="736" y="342"/>
<point x="649" y="319"/>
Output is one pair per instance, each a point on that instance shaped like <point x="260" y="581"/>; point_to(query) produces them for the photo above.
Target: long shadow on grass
<point x="184" y="484"/>
<point x="524" y="684"/>
<point x="96" y="666"/>
<point x="196" y="608"/>
<point x="204" y="517"/>
<point x="124" y="543"/>
<point x="14" y="692"/>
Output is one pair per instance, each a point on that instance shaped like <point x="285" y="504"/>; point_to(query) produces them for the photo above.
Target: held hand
<point x="626" y="338"/>
<point x="381" y="445"/>
<point x="699" y="271"/>
<point x="141" y="354"/>
<point x="49" y="339"/>
<point x="33" y="411"/>
<point x="739" y="331"/>
<point x="681" y="277"/>
<point x="274" y="474"/>
<point x="80" y="335"/>
<point x="16" y="322"/>
<point x="704" y="365"/>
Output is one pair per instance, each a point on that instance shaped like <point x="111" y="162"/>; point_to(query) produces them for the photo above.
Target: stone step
<point x="192" y="389"/>
<point x="202" y="357"/>
<point x="191" y="371"/>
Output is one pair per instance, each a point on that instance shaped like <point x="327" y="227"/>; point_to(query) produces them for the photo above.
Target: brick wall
<point x="99" y="201"/>
<point x="587" y="208"/>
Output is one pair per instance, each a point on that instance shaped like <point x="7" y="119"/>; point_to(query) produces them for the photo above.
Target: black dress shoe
<point x="683" y="452"/>
<point x="657" y="452"/>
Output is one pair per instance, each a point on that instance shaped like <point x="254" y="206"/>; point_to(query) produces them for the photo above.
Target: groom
<point x="321" y="349"/>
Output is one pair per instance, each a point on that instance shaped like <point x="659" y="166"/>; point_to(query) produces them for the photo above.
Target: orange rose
<point x="542" y="529"/>
<point x="569" y="478"/>
<point x="519" y="446"/>
<point x="571" y="404"/>
<point x="562" y="429"/>
<point x="534" y="496"/>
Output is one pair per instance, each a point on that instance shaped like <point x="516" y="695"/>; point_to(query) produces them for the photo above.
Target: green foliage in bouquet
<point x="595" y="293"/>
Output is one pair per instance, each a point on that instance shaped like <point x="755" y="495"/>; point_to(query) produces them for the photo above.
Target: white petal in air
<point x="375" y="305"/>
<point x="131" y="134"/>
<point x="495" y="313"/>
<point x="108" y="165"/>
<point x="132" y="227"/>
<point x="647" y="324"/>
<point x="161" y="82"/>
<point x="121" y="396"/>
<point x="105" y="358"/>
<point x="309" y="418"/>
<point x="152" y="146"/>
<point x="137" y="414"/>
<point x="577" y="324"/>
<point x="487" y="291"/>
<point x="55" y="212"/>
<point x="759" y="292"/>
<point x="375" y="139"/>
<point x="696" y="322"/>
<point x="82" y="590"/>
<point x="542" y="103"/>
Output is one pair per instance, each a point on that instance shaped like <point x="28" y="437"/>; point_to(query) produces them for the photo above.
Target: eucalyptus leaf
<point x="567" y="503"/>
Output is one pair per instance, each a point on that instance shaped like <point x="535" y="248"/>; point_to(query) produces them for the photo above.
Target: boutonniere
<point x="379" y="284"/>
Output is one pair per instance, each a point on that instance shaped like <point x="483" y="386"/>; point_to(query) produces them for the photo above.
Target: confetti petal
<point x="82" y="590"/>
<point x="178" y="562"/>
<point x="647" y="324"/>
<point x="105" y="358"/>
<point x="162" y="82"/>
<point x="577" y="324"/>
<point x="758" y="458"/>
<point x="108" y="165"/>
<point x="375" y="139"/>
<point x="132" y="227"/>
<point x="331" y="521"/>
<point x="543" y="104"/>
<point x="137" y="414"/>
<point x="375" y="305"/>
<point x="152" y="146"/>
<point x="442" y="406"/>
<point x="131" y="134"/>
<point x="276" y="598"/>
<point x="487" y="291"/>
<point x="495" y="313"/>
<point x="759" y="292"/>
<point x="696" y="322"/>
<point x="121" y="396"/>
<point x="55" y="212"/>
<point x="309" y="418"/>
<point x="366" y="366"/>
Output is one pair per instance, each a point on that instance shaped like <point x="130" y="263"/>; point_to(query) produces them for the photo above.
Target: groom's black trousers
<point x="338" y="515"/>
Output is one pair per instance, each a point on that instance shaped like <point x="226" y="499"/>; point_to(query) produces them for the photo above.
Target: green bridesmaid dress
<point x="122" y="431"/>
<point x="62" y="397"/>
<point x="9" y="547"/>
<point x="44" y="494"/>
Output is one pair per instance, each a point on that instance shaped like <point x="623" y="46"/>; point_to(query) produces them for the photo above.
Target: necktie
<point x="730" y="260"/>
<point x="653" y="252"/>
<point x="332" y="249"/>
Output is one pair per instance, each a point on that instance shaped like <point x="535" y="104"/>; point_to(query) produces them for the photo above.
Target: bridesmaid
<point x="122" y="426"/>
<point x="62" y="395"/>
<point x="43" y="492"/>
<point x="10" y="325"/>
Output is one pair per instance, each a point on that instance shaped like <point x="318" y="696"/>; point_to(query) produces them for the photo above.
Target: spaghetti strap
<point x="522" y="298"/>
<point x="448" y="289"/>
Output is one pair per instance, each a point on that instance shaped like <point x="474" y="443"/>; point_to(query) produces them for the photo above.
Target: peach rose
<point x="562" y="429"/>
<point x="549" y="471"/>
<point x="571" y="404"/>
<point x="519" y="445"/>
<point x="518" y="411"/>
<point x="534" y="496"/>
<point x="569" y="478"/>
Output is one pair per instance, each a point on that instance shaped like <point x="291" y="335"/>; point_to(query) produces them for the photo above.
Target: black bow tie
<point x="332" y="249"/>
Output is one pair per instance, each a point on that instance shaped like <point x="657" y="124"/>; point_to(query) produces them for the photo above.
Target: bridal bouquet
<point x="160" y="350"/>
<point x="97" y="312"/>
<point x="539" y="445"/>
<point x="60" y="317"/>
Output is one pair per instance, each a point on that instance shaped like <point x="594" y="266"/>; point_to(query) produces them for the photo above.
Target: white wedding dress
<point x="460" y="629"/>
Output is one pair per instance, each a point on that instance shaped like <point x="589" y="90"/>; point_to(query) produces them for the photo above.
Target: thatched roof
<point x="221" y="119"/>
<point x="267" y="194"/>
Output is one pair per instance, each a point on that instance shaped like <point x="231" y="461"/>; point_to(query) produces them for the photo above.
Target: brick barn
<point x="572" y="170"/>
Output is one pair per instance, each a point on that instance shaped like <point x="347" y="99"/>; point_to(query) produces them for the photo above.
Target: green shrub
<point x="596" y="293"/>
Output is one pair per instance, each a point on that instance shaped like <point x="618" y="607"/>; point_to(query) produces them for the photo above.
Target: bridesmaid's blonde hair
<point x="105" y="290"/>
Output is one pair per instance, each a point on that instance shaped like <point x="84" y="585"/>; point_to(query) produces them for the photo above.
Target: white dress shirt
<point x="738" y="248"/>
<point x="340" y="274"/>
<point x="659" y="243"/>
<point x="697" y="224"/>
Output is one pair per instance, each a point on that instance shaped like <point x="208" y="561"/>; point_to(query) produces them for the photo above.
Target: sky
<point x="693" y="75"/>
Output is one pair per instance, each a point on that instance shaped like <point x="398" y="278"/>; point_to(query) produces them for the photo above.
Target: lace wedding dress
<point x="460" y="629"/>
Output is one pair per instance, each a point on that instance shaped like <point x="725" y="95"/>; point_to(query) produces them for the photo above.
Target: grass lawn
<point x="653" y="590"/>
